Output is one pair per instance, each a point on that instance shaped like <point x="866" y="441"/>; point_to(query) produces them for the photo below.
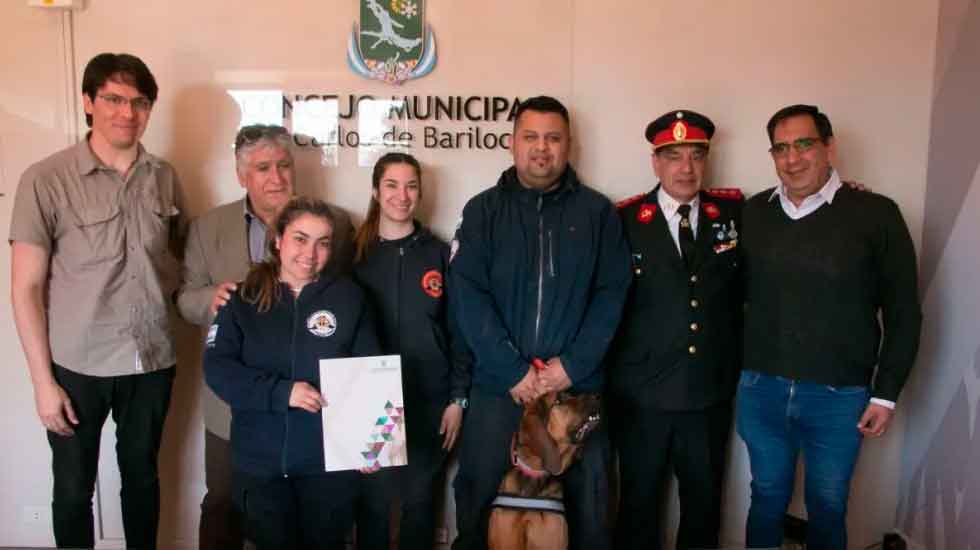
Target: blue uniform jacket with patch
<point x="252" y="359"/>
<point x="539" y="275"/>
<point x="403" y="278"/>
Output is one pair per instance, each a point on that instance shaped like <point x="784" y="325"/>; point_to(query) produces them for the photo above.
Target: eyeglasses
<point x="138" y="104"/>
<point x="257" y="132"/>
<point x="802" y="145"/>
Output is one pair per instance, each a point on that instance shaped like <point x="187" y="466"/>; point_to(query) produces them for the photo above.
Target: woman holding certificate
<point x="261" y="357"/>
<point x="402" y="266"/>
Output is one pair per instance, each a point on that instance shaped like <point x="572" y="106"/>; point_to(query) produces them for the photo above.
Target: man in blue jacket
<point x="540" y="270"/>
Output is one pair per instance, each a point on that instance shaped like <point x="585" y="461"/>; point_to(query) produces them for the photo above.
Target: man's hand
<point x="553" y="378"/>
<point x="874" y="422"/>
<point x="54" y="407"/>
<point x="857" y="186"/>
<point x="222" y="293"/>
<point x="527" y="389"/>
<point x="305" y="396"/>
<point x="452" y="419"/>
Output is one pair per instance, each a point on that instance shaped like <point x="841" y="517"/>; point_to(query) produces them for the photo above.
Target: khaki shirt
<point x="112" y="244"/>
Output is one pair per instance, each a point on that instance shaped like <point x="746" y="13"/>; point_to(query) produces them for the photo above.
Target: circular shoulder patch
<point x="321" y="323"/>
<point x="432" y="283"/>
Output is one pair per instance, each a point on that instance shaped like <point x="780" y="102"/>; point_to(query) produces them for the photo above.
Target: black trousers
<point x="485" y="457"/>
<point x="648" y="442"/>
<point x="221" y="524"/>
<point x="138" y="404"/>
<point x="297" y="512"/>
<point x="415" y="485"/>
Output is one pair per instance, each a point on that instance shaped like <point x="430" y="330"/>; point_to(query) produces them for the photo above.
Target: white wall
<point x="32" y="124"/>
<point x="616" y="64"/>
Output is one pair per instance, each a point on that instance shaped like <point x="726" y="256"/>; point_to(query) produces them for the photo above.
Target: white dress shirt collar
<point x="810" y="204"/>
<point x="669" y="205"/>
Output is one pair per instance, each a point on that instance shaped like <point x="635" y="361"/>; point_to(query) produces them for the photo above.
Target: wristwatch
<point x="461" y="401"/>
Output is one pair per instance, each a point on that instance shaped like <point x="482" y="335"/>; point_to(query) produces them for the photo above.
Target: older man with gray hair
<point x="221" y="247"/>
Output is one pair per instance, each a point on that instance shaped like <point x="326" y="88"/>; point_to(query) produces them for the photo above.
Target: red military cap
<point x="677" y="127"/>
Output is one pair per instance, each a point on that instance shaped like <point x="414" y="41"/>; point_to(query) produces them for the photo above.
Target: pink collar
<point x="525" y="469"/>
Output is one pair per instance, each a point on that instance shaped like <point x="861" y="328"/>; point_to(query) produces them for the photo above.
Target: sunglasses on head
<point x="256" y="132"/>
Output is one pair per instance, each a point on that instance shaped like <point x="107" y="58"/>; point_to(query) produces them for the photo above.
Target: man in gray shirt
<point x="95" y="234"/>
<point x="221" y="247"/>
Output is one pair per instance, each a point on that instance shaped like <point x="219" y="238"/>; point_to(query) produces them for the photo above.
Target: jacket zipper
<point x="292" y="376"/>
<point x="537" y="318"/>
<point x="551" y="255"/>
<point x="398" y="296"/>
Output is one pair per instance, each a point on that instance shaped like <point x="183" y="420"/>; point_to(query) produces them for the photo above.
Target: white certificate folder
<point x="363" y="422"/>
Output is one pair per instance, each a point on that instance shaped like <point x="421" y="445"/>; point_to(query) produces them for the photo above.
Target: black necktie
<point x="686" y="234"/>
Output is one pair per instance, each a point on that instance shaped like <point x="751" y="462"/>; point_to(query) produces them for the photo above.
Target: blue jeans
<point x="778" y="418"/>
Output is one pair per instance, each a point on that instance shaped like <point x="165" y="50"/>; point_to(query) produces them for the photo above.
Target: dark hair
<point x="261" y="285"/>
<point x="367" y="234"/>
<point x="541" y="104"/>
<point x="122" y="67"/>
<point x="820" y="120"/>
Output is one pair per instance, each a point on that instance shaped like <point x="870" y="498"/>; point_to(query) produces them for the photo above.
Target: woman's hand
<point x="452" y="419"/>
<point x="305" y="396"/>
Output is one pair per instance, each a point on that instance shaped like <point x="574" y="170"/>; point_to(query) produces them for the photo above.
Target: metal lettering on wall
<point x="374" y="125"/>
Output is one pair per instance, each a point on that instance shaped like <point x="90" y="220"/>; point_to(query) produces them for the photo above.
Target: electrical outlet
<point x="442" y="535"/>
<point x="34" y="514"/>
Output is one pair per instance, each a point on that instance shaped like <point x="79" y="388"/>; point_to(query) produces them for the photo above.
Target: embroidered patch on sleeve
<point x="212" y="335"/>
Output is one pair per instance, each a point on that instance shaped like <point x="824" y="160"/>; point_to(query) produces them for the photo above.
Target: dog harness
<point x="540" y="504"/>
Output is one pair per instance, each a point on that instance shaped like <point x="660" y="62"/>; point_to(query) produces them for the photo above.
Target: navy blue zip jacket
<point x="404" y="280"/>
<point x="539" y="275"/>
<point x="252" y="359"/>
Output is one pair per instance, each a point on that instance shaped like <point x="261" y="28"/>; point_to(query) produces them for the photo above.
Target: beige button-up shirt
<point x="112" y="243"/>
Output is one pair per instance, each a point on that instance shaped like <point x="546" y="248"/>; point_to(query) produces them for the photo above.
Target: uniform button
<point x="694" y="327"/>
<point x="692" y="350"/>
<point x="694" y="279"/>
<point x="695" y="303"/>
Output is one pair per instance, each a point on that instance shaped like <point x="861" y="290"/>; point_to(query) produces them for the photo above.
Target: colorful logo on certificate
<point x="389" y="431"/>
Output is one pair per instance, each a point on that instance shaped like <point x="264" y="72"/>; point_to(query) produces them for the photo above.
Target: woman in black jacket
<point x="262" y="357"/>
<point x="402" y="266"/>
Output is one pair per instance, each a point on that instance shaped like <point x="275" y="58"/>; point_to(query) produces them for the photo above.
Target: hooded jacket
<point x="538" y="275"/>
<point x="404" y="280"/>
<point x="252" y="359"/>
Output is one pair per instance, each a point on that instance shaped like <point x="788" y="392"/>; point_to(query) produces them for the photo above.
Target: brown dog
<point x="528" y="513"/>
